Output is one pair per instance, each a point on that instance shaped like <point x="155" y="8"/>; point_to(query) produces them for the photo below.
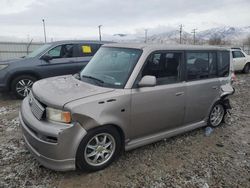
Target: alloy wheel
<point x="217" y="115"/>
<point x="99" y="149"/>
<point x="23" y="87"/>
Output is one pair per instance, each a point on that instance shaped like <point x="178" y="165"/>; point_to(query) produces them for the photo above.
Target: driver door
<point x="162" y="107"/>
<point x="64" y="57"/>
<point x="239" y="60"/>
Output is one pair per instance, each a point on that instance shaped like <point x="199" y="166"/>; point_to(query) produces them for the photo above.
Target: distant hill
<point x="234" y="35"/>
<point x="226" y="33"/>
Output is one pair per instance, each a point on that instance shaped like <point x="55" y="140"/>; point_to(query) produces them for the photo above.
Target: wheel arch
<point x="20" y="73"/>
<point x="118" y="128"/>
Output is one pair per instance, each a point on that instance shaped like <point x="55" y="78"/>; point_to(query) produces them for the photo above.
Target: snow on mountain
<point x="226" y="33"/>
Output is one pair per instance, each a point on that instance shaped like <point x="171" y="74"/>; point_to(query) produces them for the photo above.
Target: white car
<point x="241" y="60"/>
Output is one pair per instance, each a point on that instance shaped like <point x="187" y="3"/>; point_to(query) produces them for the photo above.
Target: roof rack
<point x="236" y="48"/>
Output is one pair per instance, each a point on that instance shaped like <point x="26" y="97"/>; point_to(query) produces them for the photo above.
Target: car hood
<point x="17" y="60"/>
<point x="58" y="91"/>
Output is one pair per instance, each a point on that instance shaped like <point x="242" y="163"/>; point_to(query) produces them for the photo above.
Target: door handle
<point x="179" y="93"/>
<point x="215" y="87"/>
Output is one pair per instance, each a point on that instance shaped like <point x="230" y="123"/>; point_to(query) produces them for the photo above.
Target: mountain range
<point x="225" y="33"/>
<point x="230" y="34"/>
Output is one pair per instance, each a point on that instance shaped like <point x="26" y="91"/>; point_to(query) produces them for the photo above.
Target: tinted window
<point x="55" y="52"/>
<point x="62" y="51"/>
<point x="223" y="63"/>
<point x="238" y="54"/>
<point x="88" y="49"/>
<point x="201" y="65"/>
<point x="164" y="66"/>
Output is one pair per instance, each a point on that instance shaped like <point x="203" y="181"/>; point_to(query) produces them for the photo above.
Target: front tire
<point x="98" y="149"/>
<point x="22" y="85"/>
<point x="216" y="115"/>
<point x="246" y="68"/>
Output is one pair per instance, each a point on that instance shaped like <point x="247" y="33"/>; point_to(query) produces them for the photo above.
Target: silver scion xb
<point x="129" y="95"/>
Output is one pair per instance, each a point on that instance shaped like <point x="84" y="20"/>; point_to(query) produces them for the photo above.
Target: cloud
<point x="80" y="18"/>
<point x="14" y="6"/>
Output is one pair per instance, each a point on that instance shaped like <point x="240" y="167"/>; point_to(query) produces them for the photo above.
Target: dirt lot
<point x="190" y="160"/>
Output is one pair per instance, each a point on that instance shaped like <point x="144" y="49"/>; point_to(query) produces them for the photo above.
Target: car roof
<point x="80" y="41"/>
<point x="149" y="46"/>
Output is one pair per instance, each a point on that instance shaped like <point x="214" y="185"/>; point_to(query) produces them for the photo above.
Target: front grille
<point x="35" y="106"/>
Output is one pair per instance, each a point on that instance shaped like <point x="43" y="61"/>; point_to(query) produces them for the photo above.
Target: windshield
<point x="111" y="67"/>
<point x="39" y="50"/>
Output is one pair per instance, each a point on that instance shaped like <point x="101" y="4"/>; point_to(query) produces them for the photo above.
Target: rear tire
<point x="98" y="149"/>
<point x="246" y="68"/>
<point x="217" y="114"/>
<point x="22" y="85"/>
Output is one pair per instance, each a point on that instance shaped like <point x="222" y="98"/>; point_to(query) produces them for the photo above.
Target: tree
<point x="215" y="40"/>
<point x="247" y="41"/>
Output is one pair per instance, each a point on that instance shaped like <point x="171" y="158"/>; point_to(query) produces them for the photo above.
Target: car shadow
<point x="8" y="96"/>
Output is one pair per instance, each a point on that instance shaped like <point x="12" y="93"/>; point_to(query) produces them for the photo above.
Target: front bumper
<point x="3" y="87"/>
<point x="54" y="145"/>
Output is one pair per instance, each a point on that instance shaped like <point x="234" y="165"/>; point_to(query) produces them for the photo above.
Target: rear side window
<point x="223" y="63"/>
<point x="238" y="54"/>
<point x="88" y="49"/>
<point x="201" y="65"/>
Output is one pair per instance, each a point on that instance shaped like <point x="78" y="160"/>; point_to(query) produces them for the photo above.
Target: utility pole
<point x="100" y="33"/>
<point x="146" y="35"/>
<point x="44" y="31"/>
<point x="194" y="32"/>
<point x="181" y="29"/>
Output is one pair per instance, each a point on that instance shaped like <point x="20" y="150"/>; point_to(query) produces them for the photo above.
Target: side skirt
<point x="160" y="136"/>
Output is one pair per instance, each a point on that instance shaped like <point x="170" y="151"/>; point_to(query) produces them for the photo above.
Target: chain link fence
<point x="10" y="50"/>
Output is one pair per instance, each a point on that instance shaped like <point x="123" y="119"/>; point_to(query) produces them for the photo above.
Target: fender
<point x="226" y="90"/>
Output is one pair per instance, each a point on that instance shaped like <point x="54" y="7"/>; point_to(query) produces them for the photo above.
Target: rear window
<point x="223" y="63"/>
<point x="88" y="49"/>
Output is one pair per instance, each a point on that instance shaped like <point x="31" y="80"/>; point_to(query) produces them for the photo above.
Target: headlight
<point x="58" y="115"/>
<point x="3" y="66"/>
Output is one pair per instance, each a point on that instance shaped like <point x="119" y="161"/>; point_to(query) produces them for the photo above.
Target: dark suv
<point x="51" y="59"/>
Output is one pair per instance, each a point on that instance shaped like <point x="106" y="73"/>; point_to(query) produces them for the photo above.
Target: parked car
<point x="241" y="60"/>
<point x="51" y="59"/>
<point x="129" y="95"/>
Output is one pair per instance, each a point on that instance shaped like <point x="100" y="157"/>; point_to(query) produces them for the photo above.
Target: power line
<point x="194" y="32"/>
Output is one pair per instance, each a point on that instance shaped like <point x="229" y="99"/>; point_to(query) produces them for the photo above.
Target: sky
<point x="77" y="19"/>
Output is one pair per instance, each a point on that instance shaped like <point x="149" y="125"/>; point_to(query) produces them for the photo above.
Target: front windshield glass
<point x="38" y="51"/>
<point x="111" y="67"/>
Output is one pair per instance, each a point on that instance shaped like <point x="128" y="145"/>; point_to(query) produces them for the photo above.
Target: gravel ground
<point x="189" y="160"/>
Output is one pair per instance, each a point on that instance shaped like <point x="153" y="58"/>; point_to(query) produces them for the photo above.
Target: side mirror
<point x="46" y="58"/>
<point x="147" y="81"/>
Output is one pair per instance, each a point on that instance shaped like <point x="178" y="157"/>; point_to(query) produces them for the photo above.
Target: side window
<point x="165" y="66"/>
<point x="212" y="69"/>
<point x="201" y="65"/>
<point x="88" y="49"/>
<point x="55" y="52"/>
<point x="238" y="54"/>
<point x="223" y="64"/>
<point x="62" y="51"/>
<point x="242" y="55"/>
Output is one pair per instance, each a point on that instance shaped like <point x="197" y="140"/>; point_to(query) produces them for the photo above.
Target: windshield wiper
<point x="93" y="78"/>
